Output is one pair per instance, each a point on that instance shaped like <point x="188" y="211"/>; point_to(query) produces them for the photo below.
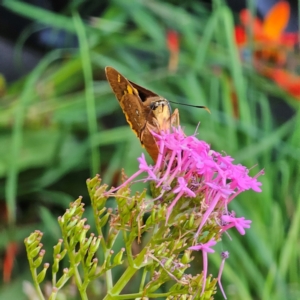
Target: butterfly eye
<point x="155" y="104"/>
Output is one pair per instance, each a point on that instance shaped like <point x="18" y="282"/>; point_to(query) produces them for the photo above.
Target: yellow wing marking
<point x="129" y="89"/>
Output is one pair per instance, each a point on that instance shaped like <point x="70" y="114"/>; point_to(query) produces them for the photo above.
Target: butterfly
<point x="144" y="110"/>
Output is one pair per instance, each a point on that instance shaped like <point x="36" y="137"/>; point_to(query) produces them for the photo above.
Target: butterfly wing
<point x="137" y="113"/>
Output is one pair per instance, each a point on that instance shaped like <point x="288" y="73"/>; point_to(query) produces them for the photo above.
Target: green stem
<point x="128" y="248"/>
<point x="108" y="274"/>
<point x="143" y="279"/>
<point x="127" y="275"/>
<point x="81" y="288"/>
<point x="36" y="284"/>
<point x="78" y="280"/>
<point x="54" y="279"/>
<point x="140" y="295"/>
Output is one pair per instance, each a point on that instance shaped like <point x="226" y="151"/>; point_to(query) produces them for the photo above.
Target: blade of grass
<point x="17" y="134"/>
<point x="202" y="48"/>
<point x="89" y="91"/>
<point x="277" y="275"/>
<point x="268" y="141"/>
<point x="112" y="136"/>
<point x="290" y="242"/>
<point x="227" y="104"/>
<point x="234" y="61"/>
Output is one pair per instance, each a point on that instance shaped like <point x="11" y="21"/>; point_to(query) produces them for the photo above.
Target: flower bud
<point x="160" y="249"/>
<point x="118" y="257"/>
<point x="101" y="211"/>
<point x="113" y="233"/>
<point x="61" y="220"/>
<point x="77" y="257"/>
<point x="89" y="258"/>
<point x="72" y="223"/>
<point x="98" y="197"/>
<point x="108" y="258"/>
<point x="95" y="244"/>
<point x="93" y="268"/>
<point x="168" y="263"/>
<point x="176" y="244"/>
<point x="41" y="275"/>
<point x="77" y="203"/>
<point x="37" y="235"/>
<point x="63" y="279"/>
<point x="79" y="226"/>
<point x="57" y="247"/>
<point x="67" y="215"/>
<point x="186" y="257"/>
<point x="54" y="293"/>
<point x="153" y="214"/>
<point x="83" y="233"/>
<point x="162" y="212"/>
<point x="104" y="219"/>
<point x="86" y="244"/>
<point x="73" y="241"/>
<point x="55" y="266"/>
<point x="101" y="190"/>
<point x="33" y="246"/>
<point x="35" y="251"/>
<point x="39" y="260"/>
<point x="191" y="220"/>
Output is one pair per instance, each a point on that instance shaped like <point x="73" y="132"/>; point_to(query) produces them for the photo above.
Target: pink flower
<point x="181" y="189"/>
<point x="205" y="248"/>
<point x="145" y="168"/>
<point x="238" y="223"/>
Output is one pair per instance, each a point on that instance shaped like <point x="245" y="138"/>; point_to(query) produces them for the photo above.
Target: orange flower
<point x="271" y="44"/>
<point x="173" y="46"/>
<point x="173" y="41"/>
<point x="287" y="81"/>
<point x="269" y="30"/>
<point x="8" y="262"/>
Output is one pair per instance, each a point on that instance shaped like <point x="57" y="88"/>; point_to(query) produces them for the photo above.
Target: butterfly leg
<point x="174" y="119"/>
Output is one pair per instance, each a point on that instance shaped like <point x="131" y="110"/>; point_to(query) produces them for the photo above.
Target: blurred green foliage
<point x="61" y="124"/>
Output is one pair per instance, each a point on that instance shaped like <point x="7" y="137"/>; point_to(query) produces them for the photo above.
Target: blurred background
<point x="61" y="124"/>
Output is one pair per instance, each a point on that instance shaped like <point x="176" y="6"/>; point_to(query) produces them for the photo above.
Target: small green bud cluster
<point x="160" y="254"/>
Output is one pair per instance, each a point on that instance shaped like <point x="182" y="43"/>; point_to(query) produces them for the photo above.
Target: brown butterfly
<point x="143" y="109"/>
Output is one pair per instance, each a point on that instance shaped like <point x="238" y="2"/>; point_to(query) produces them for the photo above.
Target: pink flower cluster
<point x="198" y="170"/>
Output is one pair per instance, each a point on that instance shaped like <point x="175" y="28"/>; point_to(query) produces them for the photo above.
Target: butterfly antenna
<point x="196" y="106"/>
